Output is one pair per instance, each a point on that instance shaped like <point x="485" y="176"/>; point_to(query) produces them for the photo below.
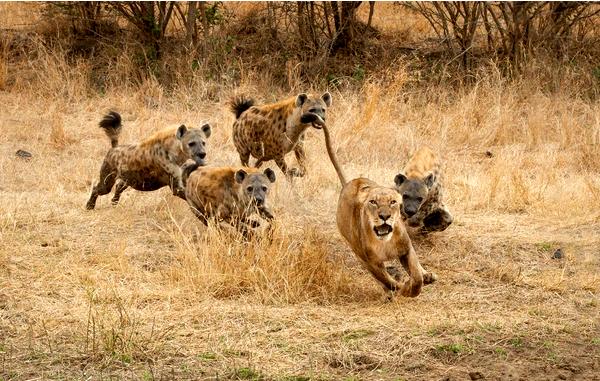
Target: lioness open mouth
<point x="383" y="230"/>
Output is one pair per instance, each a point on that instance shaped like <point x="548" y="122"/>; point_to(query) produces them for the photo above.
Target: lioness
<point x="368" y="217"/>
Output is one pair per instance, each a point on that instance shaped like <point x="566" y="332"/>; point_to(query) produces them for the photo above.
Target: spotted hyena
<point x="150" y="165"/>
<point x="228" y="194"/>
<point x="269" y="132"/>
<point x="420" y="185"/>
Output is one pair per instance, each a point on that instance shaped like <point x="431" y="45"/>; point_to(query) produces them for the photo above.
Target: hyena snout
<point x="259" y="200"/>
<point x="410" y="210"/>
<point x="199" y="157"/>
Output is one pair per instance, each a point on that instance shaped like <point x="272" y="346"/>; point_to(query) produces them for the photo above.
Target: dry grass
<point x="143" y="291"/>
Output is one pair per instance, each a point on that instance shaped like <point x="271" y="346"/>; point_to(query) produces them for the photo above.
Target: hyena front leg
<point x="300" y="154"/>
<point x="174" y="172"/>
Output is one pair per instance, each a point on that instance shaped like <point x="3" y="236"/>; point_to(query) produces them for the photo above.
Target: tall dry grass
<point x="143" y="290"/>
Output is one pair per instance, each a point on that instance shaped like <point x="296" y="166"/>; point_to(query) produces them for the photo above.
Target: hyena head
<point x="193" y="142"/>
<point x="255" y="186"/>
<point x="313" y="108"/>
<point x="414" y="192"/>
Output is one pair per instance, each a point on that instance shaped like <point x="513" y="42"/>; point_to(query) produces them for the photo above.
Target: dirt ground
<point x="143" y="291"/>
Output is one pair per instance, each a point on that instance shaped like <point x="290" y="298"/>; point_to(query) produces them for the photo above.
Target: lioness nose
<point x="384" y="216"/>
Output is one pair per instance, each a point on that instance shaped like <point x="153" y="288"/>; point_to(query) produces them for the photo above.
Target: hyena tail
<point x="111" y="124"/>
<point x="186" y="170"/>
<point x="240" y="104"/>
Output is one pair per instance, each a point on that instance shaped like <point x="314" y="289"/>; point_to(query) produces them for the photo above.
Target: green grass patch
<point x="357" y="334"/>
<point x="207" y="356"/>
<point x="295" y="378"/>
<point x="544" y="246"/>
<point x="247" y="374"/>
<point x="516" y="342"/>
<point x="455" y="348"/>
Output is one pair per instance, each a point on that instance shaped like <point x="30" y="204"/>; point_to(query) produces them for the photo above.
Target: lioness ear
<point x="429" y="180"/>
<point x="327" y="98"/>
<point x="399" y="179"/>
<point x="181" y="131"/>
<point x="270" y="174"/>
<point x="240" y="175"/>
<point x="206" y="129"/>
<point x="300" y="99"/>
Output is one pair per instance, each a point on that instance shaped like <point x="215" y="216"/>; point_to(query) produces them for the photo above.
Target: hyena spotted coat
<point x="269" y="132"/>
<point x="420" y="185"/>
<point x="228" y="194"/>
<point x="150" y="165"/>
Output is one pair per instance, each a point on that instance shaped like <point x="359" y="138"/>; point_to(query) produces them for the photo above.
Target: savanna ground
<point x="144" y="291"/>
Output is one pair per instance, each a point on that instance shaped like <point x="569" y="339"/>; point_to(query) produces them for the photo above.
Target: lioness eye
<point x="394" y="202"/>
<point x="373" y="202"/>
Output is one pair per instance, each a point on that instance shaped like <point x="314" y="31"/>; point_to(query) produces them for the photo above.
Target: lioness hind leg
<point x="437" y="221"/>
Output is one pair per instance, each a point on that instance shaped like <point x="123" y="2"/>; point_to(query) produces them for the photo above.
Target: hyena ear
<point x="399" y="179"/>
<point x="327" y="98"/>
<point x="429" y="180"/>
<point x="181" y="131"/>
<point x="300" y="99"/>
<point x="240" y="176"/>
<point x="270" y="174"/>
<point x="207" y="129"/>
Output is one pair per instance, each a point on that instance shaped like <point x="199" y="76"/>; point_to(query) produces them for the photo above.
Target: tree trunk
<point x="346" y="31"/>
<point x="190" y="24"/>
<point x="371" y="11"/>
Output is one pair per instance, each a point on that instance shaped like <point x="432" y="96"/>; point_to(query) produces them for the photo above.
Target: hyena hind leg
<point x="119" y="188"/>
<point x="104" y="186"/>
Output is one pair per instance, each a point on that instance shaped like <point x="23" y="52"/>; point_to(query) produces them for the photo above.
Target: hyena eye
<point x="405" y="197"/>
<point x="249" y="189"/>
<point x="419" y="199"/>
<point x="264" y="189"/>
<point x="203" y="144"/>
<point x="191" y="144"/>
